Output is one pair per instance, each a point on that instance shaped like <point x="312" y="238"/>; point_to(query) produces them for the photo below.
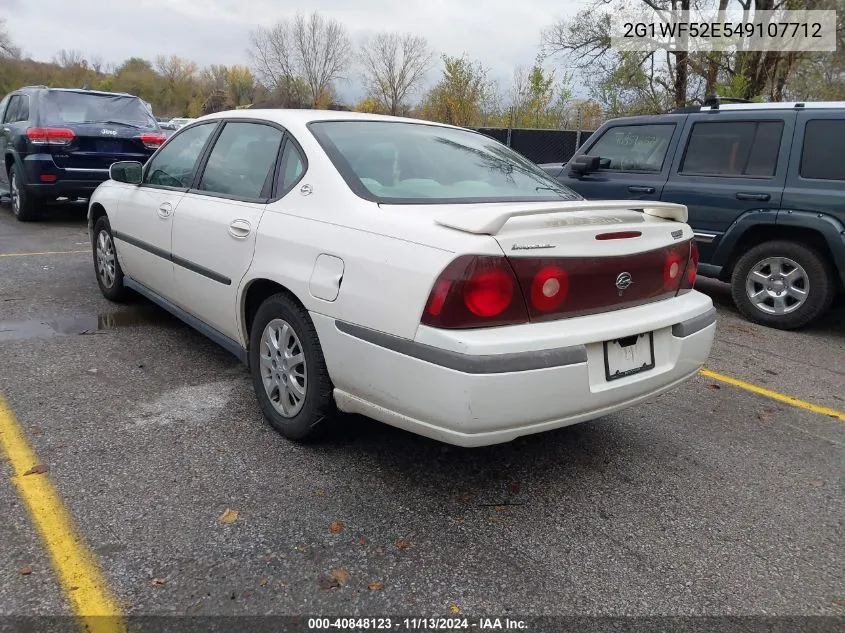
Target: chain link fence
<point x="539" y="146"/>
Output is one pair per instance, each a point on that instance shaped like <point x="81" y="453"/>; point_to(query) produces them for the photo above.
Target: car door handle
<point x="640" y="189"/>
<point x="761" y="197"/>
<point x="165" y="210"/>
<point x="239" y="229"/>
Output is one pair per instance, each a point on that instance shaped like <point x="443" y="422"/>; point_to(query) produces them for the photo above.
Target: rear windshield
<point x="398" y="162"/>
<point x="59" y="107"/>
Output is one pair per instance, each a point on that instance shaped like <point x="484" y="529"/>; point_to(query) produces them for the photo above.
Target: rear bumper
<point x="475" y="396"/>
<point x="45" y="179"/>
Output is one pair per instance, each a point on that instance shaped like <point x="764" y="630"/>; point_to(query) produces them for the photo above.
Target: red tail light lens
<point x="692" y="268"/>
<point x="50" y="135"/>
<point x="153" y="141"/>
<point x="475" y="291"/>
<point x="549" y="288"/>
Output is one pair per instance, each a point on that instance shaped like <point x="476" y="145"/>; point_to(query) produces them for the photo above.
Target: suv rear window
<point x="68" y="107"/>
<point x="736" y="148"/>
<point x="633" y="147"/>
<point x="823" y="140"/>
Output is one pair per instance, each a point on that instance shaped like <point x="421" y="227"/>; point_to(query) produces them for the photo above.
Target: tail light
<point x="153" y="141"/>
<point x="475" y="291"/>
<point x="692" y="269"/>
<point x="50" y="135"/>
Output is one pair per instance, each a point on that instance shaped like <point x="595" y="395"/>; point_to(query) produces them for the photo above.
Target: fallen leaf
<point x="362" y="540"/>
<point x="500" y="508"/>
<point x="36" y="470"/>
<point x="157" y="582"/>
<point x="770" y="372"/>
<point x="403" y="544"/>
<point x="379" y="550"/>
<point x="838" y="603"/>
<point x="263" y="582"/>
<point x="340" y="575"/>
<point x="453" y="608"/>
<point x="376" y="586"/>
<point x="713" y="386"/>
<point x="319" y="493"/>
<point x="229" y="516"/>
<point x="327" y="582"/>
<point x="36" y="430"/>
<point x="818" y="483"/>
<point x="25" y="571"/>
<point x="336" y="527"/>
<point x="74" y="588"/>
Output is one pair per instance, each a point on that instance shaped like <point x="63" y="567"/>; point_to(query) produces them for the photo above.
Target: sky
<point x="502" y="34"/>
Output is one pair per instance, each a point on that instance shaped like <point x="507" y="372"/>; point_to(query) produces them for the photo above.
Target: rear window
<point x="820" y="158"/>
<point x="398" y="162"/>
<point x="61" y="107"/>
<point x="735" y="148"/>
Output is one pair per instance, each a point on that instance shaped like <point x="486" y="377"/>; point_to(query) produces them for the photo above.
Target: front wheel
<point x="782" y="284"/>
<point x="288" y="370"/>
<point x="106" y="266"/>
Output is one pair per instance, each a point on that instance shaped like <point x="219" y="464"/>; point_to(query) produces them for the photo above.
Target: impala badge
<point x="623" y="282"/>
<point x="530" y="247"/>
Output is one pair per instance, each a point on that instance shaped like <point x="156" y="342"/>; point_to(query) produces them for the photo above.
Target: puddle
<point x="83" y="325"/>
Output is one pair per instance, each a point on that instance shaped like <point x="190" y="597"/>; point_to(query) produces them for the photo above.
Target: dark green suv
<point x="765" y="188"/>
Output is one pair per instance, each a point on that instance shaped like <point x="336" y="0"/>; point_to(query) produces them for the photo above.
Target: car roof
<point x="285" y="116"/>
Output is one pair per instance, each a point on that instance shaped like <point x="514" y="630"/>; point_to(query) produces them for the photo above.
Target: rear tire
<point x="24" y="205"/>
<point x="106" y="266"/>
<point x="782" y="284"/>
<point x="289" y="372"/>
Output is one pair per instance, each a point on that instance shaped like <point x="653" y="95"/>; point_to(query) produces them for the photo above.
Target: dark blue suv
<point x="59" y="143"/>
<point x="765" y="188"/>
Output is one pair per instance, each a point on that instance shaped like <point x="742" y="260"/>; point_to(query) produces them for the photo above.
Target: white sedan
<point x="420" y="274"/>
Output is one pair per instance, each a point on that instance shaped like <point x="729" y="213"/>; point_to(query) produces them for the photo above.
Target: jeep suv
<point x="765" y="187"/>
<point x="59" y="143"/>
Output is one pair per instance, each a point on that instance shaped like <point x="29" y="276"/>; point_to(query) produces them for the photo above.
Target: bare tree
<point x="273" y="57"/>
<point x="394" y="67"/>
<point x="70" y="59"/>
<point x="7" y="47"/>
<point x="323" y="51"/>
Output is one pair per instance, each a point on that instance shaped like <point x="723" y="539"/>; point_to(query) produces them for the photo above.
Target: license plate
<point x="108" y="147"/>
<point x="628" y="356"/>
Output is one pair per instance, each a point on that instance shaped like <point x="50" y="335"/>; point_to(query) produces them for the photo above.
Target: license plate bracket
<point x="629" y="355"/>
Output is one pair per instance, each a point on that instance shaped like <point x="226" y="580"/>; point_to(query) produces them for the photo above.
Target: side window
<point x="242" y="161"/>
<point x="291" y="170"/>
<point x="12" y="111"/>
<point x="174" y="165"/>
<point x="736" y="148"/>
<point x="23" y="109"/>
<point x="633" y="147"/>
<point x="823" y="140"/>
<point x="3" y="105"/>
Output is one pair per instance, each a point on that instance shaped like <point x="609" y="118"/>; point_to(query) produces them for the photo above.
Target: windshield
<point x="60" y="107"/>
<point x="397" y="162"/>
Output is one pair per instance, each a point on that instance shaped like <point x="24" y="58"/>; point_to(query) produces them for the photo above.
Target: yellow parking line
<point x="79" y="574"/>
<point x="42" y="253"/>
<point x="774" y="395"/>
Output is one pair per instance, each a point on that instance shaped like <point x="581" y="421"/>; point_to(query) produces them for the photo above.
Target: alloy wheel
<point x="283" y="367"/>
<point x="777" y="285"/>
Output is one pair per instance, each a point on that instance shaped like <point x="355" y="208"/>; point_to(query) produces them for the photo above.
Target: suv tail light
<point x="475" y="291"/>
<point x="50" y="135"/>
<point x="153" y="141"/>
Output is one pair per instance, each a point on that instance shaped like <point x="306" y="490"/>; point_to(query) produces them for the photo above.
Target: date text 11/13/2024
<point x="430" y="624"/>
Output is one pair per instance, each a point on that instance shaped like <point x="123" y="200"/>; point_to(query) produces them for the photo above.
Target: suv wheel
<point x="106" y="266"/>
<point x="23" y="204"/>
<point x="288" y="370"/>
<point x="785" y="285"/>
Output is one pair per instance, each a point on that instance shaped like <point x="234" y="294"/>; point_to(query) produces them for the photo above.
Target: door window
<point x="734" y="148"/>
<point x="823" y="140"/>
<point x="633" y="147"/>
<point x="12" y="112"/>
<point x="174" y="165"/>
<point x="242" y="162"/>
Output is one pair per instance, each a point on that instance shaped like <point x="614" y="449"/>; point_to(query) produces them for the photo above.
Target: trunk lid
<point x="98" y="145"/>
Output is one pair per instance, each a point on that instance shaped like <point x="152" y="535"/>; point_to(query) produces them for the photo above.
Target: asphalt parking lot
<point x="708" y="500"/>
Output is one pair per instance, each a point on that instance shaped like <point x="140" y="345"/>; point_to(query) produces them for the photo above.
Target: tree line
<point x="299" y="62"/>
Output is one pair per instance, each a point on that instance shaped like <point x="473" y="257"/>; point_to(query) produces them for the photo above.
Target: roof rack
<point x="714" y="101"/>
<point x="26" y="87"/>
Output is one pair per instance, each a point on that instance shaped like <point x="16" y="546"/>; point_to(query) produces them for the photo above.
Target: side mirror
<point x="583" y="165"/>
<point x="126" y="171"/>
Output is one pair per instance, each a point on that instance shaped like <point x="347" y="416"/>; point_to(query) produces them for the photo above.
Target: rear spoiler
<point x="489" y="220"/>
